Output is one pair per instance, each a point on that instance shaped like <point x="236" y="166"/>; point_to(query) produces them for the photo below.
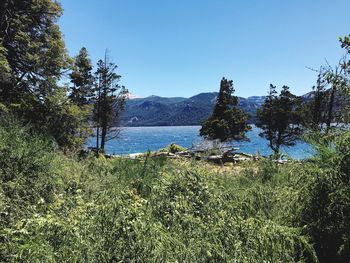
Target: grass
<point x="55" y="208"/>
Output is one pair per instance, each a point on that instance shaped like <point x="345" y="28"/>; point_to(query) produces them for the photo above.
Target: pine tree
<point x="82" y="91"/>
<point x="337" y="80"/>
<point x="227" y="122"/>
<point x="32" y="50"/>
<point x="109" y="104"/>
<point x="345" y="43"/>
<point x="318" y="105"/>
<point x="315" y="109"/>
<point x="82" y="79"/>
<point x="33" y="60"/>
<point x="280" y="118"/>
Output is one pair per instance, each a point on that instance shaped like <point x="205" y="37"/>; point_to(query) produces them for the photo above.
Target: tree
<point x="337" y="80"/>
<point x="109" y="104"/>
<point x="64" y="121"/>
<point x="82" y="79"/>
<point x="315" y="109"/>
<point x="33" y="59"/>
<point x="32" y="50"/>
<point x="280" y="118"/>
<point x="345" y="43"/>
<point x="82" y="92"/>
<point x="227" y="122"/>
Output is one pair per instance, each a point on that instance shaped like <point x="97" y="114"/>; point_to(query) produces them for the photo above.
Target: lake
<point x="141" y="139"/>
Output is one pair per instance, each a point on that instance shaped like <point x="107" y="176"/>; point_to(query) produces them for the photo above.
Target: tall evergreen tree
<point x="345" y="43"/>
<point x="33" y="59"/>
<point x="318" y="105"/>
<point x="280" y="118"/>
<point x="315" y="109"/>
<point x="336" y="79"/>
<point x="82" y="79"/>
<point x="82" y="91"/>
<point x="227" y="122"/>
<point x="32" y="49"/>
<point x="110" y="102"/>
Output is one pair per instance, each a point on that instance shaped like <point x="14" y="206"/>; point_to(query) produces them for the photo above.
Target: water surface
<point x="141" y="139"/>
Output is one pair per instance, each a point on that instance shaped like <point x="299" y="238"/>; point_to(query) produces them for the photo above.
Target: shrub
<point x="174" y="148"/>
<point x="326" y="204"/>
<point x="55" y="208"/>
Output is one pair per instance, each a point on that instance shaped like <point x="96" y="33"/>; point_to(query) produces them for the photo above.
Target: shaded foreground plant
<point x="58" y="209"/>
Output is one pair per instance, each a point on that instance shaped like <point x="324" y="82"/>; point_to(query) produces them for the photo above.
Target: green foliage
<point x="82" y="79"/>
<point x="27" y="177"/>
<point x="326" y="209"/>
<point x="4" y="66"/>
<point x="314" y="111"/>
<point x="280" y="118"/>
<point x="82" y="93"/>
<point x="173" y="148"/>
<point x="109" y="101"/>
<point x="227" y="122"/>
<point x="32" y="48"/>
<point x="33" y="58"/>
<point x="345" y="43"/>
<point x="57" y="209"/>
<point x="159" y="111"/>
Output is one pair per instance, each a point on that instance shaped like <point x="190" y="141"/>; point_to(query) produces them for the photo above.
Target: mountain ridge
<point x="179" y="111"/>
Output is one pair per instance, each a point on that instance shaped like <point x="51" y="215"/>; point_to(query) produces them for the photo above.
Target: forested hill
<point x="160" y="111"/>
<point x="177" y="111"/>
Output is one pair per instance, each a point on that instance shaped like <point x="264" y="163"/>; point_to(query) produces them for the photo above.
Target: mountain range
<point x="177" y="111"/>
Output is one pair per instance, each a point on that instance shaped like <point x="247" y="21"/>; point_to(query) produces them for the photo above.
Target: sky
<point x="179" y="48"/>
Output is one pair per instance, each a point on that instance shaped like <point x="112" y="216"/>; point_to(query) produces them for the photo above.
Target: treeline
<point x="285" y="117"/>
<point x="34" y="64"/>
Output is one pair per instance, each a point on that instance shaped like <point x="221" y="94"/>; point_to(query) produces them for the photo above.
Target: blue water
<point x="141" y="139"/>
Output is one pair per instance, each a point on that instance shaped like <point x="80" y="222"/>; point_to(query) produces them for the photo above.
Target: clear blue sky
<point x="184" y="47"/>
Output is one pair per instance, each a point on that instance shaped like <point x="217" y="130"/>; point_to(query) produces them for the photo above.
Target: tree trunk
<point x="103" y="137"/>
<point x="97" y="139"/>
<point x="98" y="116"/>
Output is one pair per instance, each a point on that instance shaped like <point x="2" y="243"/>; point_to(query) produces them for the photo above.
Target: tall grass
<point x="55" y="208"/>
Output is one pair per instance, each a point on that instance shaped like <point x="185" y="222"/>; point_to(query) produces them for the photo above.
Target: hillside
<point x="179" y="111"/>
<point x="160" y="111"/>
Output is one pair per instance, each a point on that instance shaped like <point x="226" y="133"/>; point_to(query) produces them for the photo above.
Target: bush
<point x="55" y="208"/>
<point x="27" y="176"/>
<point x="326" y="204"/>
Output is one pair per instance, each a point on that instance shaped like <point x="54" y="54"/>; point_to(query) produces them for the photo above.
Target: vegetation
<point x="82" y="79"/>
<point x="160" y="111"/>
<point x="173" y="148"/>
<point x="59" y="206"/>
<point x="33" y="65"/>
<point x="56" y="208"/>
<point x="280" y="118"/>
<point x="315" y="110"/>
<point x="109" y="102"/>
<point x="227" y="121"/>
<point x="33" y="58"/>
